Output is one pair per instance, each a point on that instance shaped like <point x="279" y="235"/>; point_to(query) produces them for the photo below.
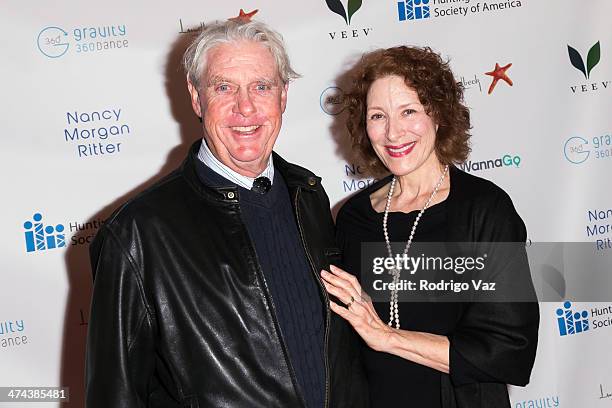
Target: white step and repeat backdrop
<point x="94" y="109"/>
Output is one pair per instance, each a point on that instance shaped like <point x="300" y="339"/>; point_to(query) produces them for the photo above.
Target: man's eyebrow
<point x="266" y="80"/>
<point x="216" y="79"/>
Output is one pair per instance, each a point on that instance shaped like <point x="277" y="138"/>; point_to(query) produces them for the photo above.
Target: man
<point x="207" y="289"/>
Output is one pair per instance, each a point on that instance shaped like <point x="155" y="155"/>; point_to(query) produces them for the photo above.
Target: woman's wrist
<point x="397" y="342"/>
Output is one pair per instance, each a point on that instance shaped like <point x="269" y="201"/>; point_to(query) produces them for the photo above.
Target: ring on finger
<point x="348" y="305"/>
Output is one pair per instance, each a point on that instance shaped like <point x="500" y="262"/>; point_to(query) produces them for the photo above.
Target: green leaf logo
<point x="353" y="6"/>
<point x="593" y="58"/>
<point x="337" y="7"/>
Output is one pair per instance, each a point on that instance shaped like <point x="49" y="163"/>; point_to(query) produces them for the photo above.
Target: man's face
<point x="241" y="101"/>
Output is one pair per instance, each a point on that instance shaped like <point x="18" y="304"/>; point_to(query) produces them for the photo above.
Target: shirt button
<point x="312" y="181"/>
<point x="231" y="195"/>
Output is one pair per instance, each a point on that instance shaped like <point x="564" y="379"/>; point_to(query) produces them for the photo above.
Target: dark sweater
<point x="271" y="224"/>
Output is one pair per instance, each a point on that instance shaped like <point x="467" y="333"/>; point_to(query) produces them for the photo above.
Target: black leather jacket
<point x="181" y="315"/>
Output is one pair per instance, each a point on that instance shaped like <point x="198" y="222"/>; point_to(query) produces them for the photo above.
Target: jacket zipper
<point x="327" y="310"/>
<point x="269" y="300"/>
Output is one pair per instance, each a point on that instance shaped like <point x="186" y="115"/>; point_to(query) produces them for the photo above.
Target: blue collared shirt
<point x="206" y="156"/>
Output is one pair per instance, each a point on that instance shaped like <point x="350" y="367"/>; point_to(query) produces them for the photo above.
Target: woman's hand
<point x="359" y="311"/>
<point x="431" y="350"/>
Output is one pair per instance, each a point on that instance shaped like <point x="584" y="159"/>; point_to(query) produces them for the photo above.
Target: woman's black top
<point x="397" y="382"/>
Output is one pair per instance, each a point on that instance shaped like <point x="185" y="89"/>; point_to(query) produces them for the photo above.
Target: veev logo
<point x="40" y="238"/>
<point x="593" y="57"/>
<point x="337" y="7"/>
<point x="347" y="13"/>
<point x="570" y="322"/>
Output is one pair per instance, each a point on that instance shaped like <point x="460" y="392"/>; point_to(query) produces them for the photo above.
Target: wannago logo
<point x="40" y="238"/>
<point x="593" y="57"/>
<point x="507" y="160"/>
<point x="577" y="149"/>
<point x="570" y="322"/>
<point x="54" y="42"/>
<point x="347" y="14"/>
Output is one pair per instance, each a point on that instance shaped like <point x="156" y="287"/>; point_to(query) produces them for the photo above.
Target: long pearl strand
<point x="393" y="303"/>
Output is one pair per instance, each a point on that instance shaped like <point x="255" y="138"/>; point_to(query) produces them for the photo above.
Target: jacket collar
<point x="295" y="176"/>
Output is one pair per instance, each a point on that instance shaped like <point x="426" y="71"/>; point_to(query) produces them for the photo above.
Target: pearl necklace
<point x="393" y="304"/>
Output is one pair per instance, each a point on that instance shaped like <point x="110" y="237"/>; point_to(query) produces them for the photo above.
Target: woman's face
<point x="401" y="132"/>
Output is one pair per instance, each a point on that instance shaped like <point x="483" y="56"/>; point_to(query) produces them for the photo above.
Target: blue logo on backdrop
<point x="576" y="150"/>
<point x="543" y="401"/>
<point x="54" y="42"/>
<point x="413" y="9"/>
<point x="40" y="238"/>
<point x="424" y="9"/>
<point x="570" y="322"/>
<point x="12" y="333"/>
<point x="96" y="133"/>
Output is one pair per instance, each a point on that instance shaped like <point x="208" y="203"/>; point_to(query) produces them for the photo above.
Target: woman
<point x="407" y="117"/>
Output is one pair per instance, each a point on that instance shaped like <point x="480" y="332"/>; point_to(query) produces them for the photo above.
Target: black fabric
<point x="491" y="344"/>
<point x="180" y="313"/>
<point x="261" y="185"/>
<point x="393" y="379"/>
<point x="296" y="298"/>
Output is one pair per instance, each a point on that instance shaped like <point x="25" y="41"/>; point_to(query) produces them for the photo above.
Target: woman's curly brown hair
<point x="442" y="96"/>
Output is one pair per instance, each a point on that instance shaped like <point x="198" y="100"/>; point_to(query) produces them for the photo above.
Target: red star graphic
<point x="243" y="17"/>
<point x="497" y="74"/>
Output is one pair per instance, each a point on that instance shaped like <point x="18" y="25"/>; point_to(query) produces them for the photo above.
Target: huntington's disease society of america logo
<point x="571" y="322"/>
<point x="413" y="10"/>
<point x="39" y="237"/>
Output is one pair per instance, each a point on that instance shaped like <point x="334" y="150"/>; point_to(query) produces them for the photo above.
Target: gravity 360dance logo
<point x="54" y="42"/>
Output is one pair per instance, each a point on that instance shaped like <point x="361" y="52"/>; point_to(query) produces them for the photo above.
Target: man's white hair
<point x="223" y="32"/>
